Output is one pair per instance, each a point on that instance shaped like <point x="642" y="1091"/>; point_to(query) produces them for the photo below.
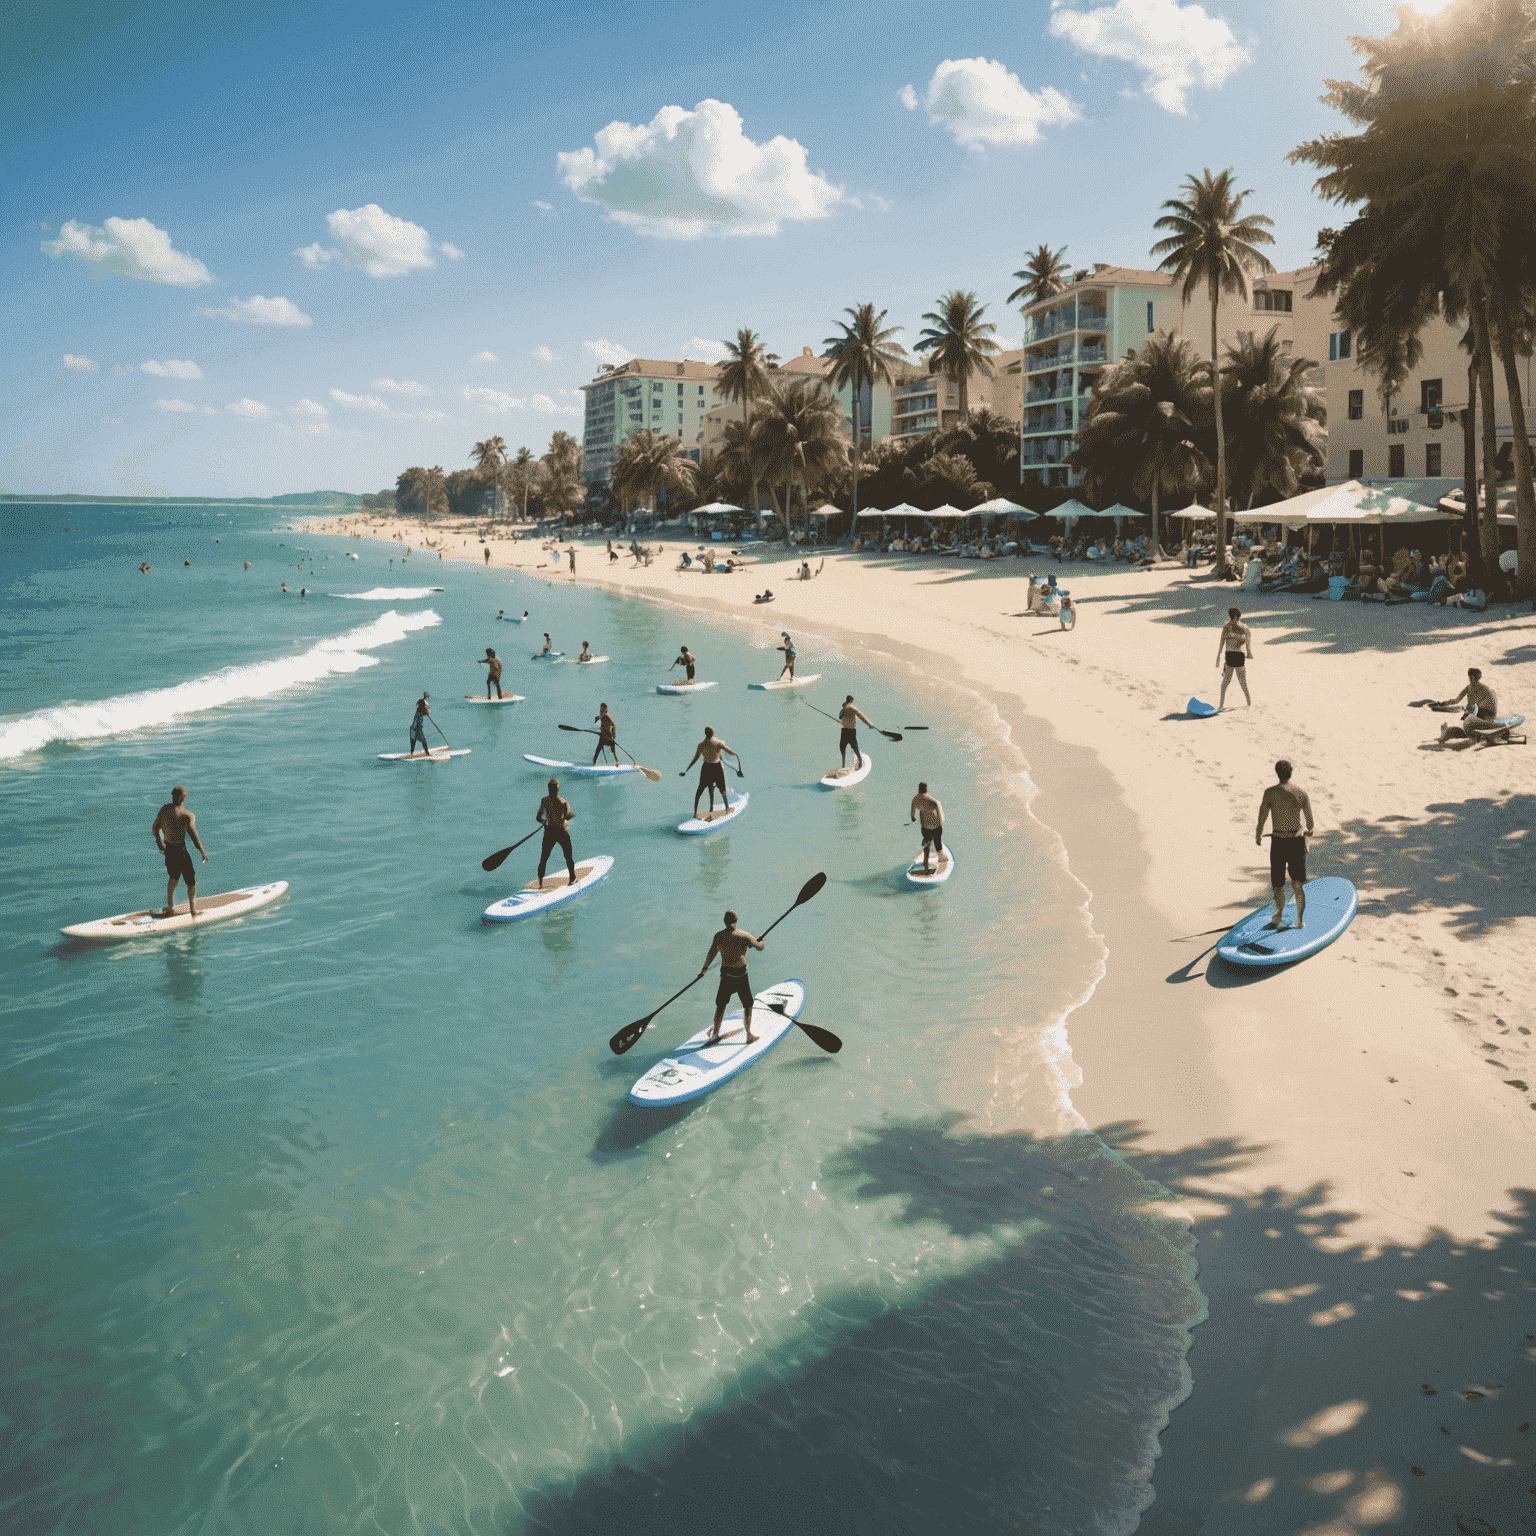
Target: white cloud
<point x="434" y="416"/>
<point x="704" y="351"/>
<point x="541" y="403"/>
<point x="79" y="364"/>
<point x="492" y="400"/>
<point x="252" y="410"/>
<point x="400" y="387"/>
<point x="318" y="429"/>
<point x="308" y="407"/>
<point x="132" y="248"/>
<point x="379" y="243"/>
<point x="181" y="407"/>
<point x="453" y="253"/>
<point x="609" y="353"/>
<point x="171" y="369"/>
<point x="316" y="256"/>
<point x="359" y="402"/>
<point x="209" y="410"/>
<point x="542" y="354"/>
<point x="687" y="174"/>
<point x="979" y="101"/>
<point x="112" y="421"/>
<point x="908" y="98"/>
<point x="485" y="357"/>
<point x="1176" y="47"/>
<point x="542" y="206"/>
<point x="259" y="311"/>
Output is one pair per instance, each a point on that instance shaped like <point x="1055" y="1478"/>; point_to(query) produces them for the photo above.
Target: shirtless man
<point x="848" y="718"/>
<point x="688" y="660"/>
<point x="732" y="944"/>
<point x="1482" y="707"/>
<point x="172" y="826"/>
<point x="1236" y="642"/>
<point x="1287" y="804"/>
<point x="932" y="812"/>
<point x="712" y="774"/>
<point x="419" y="725"/>
<point x="607" y="734"/>
<point x="586" y="651"/>
<point x="493" y="676"/>
<point x="556" y="815"/>
<point x="789" y="655"/>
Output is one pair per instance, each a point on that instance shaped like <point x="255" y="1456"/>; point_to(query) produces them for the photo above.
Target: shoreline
<point x="1351" y="1104"/>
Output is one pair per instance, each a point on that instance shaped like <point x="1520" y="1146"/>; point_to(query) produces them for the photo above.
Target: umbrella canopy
<point x="1002" y="504"/>
<point x="1294" y="513"/>
<point x="1071" y="508"/>
<point x="945" y="512"/>
<point x="718" y="506"/>
<point x="826" y="509"/>
<point x="901" y="509"/>
<point x="1119" y="510"/>
<point x="1353" y="502"/>
<point x="1455" y="504"/>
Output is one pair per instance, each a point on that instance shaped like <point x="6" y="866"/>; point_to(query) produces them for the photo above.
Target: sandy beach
<point x="1352" y="1137"/>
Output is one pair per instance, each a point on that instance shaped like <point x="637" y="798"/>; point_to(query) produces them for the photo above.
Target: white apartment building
<point x="665" y="396"/>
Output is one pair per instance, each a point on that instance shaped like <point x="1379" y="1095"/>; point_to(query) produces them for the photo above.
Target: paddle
<point x="649" y="773"/>
<point x="889" y="735"/>
<point x="627" y="1036"/>
<point x="823" y="1037"/>
<point x="914" y="727"/>
<point x="496" y="860"/>
<point x="1208" y="932"/>
<point x="436" y="727"/>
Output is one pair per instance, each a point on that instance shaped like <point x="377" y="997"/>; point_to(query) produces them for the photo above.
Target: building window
<point x="1356" y="463"/>
<point x="1430" y="395"/>
<point x="1356" y="404"/>
<point x="1338" y="346"/>
<point x="1432" y="459"/>
<point x="1395" y="462"/>
<point x="1149" y="316"/>
<point x="1277" y="300"/>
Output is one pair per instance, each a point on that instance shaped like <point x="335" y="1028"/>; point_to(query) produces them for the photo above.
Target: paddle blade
<point x="810" y="888"/>
<point x="914" y="727"/>
<point x="496" y="860"/>
<point x="823" y="1037"/>
<point x="650" y="773"/>
<point x="627" y="1036"/>
<point x="890" y="735"/>
<point x="570" y="728"/>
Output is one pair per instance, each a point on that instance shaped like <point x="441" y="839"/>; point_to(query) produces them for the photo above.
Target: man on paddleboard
<point x="419" y="725"/>
<point x="932" y="812"/>
<point x="586" y="651"/>
<point x="556" y="814"/>
<point x="1288" y="804"/>
<point x="688" y="660"/>
<point x="607" y="733"/>
<point x="548" y="649"/>
<point x="712" y="774"/>
<point x="172" y="826"/>
<point x="732" y="944"/>
<point x="493" y="676"/>
<point x="848" y="719"/>
<point x="789" y="654"/>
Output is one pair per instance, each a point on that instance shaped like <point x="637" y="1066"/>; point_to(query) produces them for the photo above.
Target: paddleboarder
<point x="493" y="676"/>
<point x="1287" y="804"/>
<point x="688" y="660"/>
<point x="1235" y="645"/>
<point x="419" y="725"/>
<point x="789" y="654"/>
<point x="586" y="651"/>
<point x="732" y="944"/>
<point x="607" y="733"/>
<point x="172" y="826"/>
<point x="712" y="774"/>
<point x="848" y="718"/>
<point x="556" y="815"/>
<point x="548" y="649"/>
<point x="932" y="812"/>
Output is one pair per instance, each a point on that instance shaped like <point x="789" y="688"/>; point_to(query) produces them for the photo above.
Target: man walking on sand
<point x="1287" y="804"/>
<point x="1236" y="642"/>
<point x="732" y="944"/>
<point x="172" y="826"/>
<point x="932" y="812"/>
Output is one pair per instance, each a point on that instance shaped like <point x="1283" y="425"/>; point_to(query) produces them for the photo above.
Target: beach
<point x="1352" y="1137"/>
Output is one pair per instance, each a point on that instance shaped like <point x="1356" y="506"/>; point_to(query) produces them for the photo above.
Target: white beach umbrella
<point x="1002" y="504"/>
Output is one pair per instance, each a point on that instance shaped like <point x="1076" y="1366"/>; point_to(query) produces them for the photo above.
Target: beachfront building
<point x="925" y="402"/>
<point x="667" y="396"/>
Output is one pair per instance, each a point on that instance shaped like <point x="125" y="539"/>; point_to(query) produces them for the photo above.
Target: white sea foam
<point x="257" y="680"/>
<point x="388" y="594"/>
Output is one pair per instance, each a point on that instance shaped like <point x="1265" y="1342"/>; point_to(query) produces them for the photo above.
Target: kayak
<point x="712" y="821"/>
<point x="547" y="656"/>
<point x="576" y="661"/>
<point x="789" y="682"/>
<point x="210" y="909"/>
<point x="684" y="687"/>
<point x="943" y="868"/>
<point x="841" y="778"/>
<point x="557" y="888"/>
<point x="438" y="755"/>
<point x="1253" y="944"/>
<point x="506" y="698"/>
<point x="592" y="770"/>
<point x="696" y="1066"/>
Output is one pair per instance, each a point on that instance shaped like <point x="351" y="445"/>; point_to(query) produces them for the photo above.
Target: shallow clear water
<point x="335" y="1218"/>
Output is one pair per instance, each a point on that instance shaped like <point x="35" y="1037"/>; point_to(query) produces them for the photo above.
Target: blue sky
<point x="256" y="249"/>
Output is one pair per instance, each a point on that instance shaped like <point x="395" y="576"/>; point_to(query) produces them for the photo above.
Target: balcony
<point x="1062" y="391"/>
<point x="1091" y="354"/>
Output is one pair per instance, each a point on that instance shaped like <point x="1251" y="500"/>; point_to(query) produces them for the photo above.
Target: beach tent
<point x="1294" y="513"/>
<point x="1353" y="502"/>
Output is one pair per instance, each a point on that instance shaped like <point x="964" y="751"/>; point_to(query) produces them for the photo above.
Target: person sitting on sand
<point x="1287" y="803"/>
<point x="1234" y="646"/>
<point x="732" y="944"/>
<point x="686" y="563"/>
<point x="1482" y="707"/>
<point x="1068" y="613"/>
<point x="765" y="597"/>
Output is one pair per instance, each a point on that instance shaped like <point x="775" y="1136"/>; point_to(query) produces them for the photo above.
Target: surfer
<point x="712" y="774"/>
<point x="789" y="654"/>
<point x="932" y="812"/>
<point x="586" y="651"/>
<point x="501" y="614"/>
<point x="524" y="618"/>
<point x="556" y="815"/>
<point x="419" y="725"/>
<point x="849" y="737"/>
<point x="607" y="733"/>
<point x="493" y="676"/>
<point x="172" y="826"/>
<point x="1482" y="706"/>
<point x="688" y="660"/>
<point x="572" y="553"/>
<point x="549" y="649"/>
<point x="1287" y="804"/>
<point x="732" y="944"/>
<point x="1236" y="640"/>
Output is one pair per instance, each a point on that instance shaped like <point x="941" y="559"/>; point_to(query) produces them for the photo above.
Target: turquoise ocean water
<point x="335" y="1218"/>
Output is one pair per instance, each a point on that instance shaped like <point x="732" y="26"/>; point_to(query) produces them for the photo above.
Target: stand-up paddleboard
<point x="711" y="821"/>
<point x="696" y="1066"/>
<point x="1331" y="904"/>
<point x="591" y="770"/>
<point x="210" y="909"/>
<point x="789" y="682"/>
<point x="684" y="687"/>
<point x="1201" y="710"/>
<point x="480" y="698"/>
<point x="943" y="867"/>
<point x="576" y="661"/>
<point x="552" y="656"/>
<point x="557" y="888"/>
<point x="841" y="778"/>
<point x="439" y="755"/>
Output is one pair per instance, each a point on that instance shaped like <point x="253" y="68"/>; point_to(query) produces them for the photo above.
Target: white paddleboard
<point x="440" y="755"/>
<point x="552" y="656"/>
<point x="943" y="867"/>
<point x="592" y="770"/>
<point x="696" y="1066"/>
<point x="557" y="888"/>
<point x="576" y="661"/>
<point x="210" y="909"/>
<point x="684" y="687"/>
<point x="789" y="682"/>
<point x="711" y="821"/>
<point x="480" y="698"/>
<point x="841" y="778"/>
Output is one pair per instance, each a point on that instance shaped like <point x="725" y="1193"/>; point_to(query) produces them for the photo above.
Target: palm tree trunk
<point x="1525" y="494"/>
<point x="1469" y="459"/>
<point x="965" y="401"/>
<point x="1488" y="531"/>
<point x="858" y="434"/>
<point x="1157" y="485"/>
<point x="1223" y="569"/>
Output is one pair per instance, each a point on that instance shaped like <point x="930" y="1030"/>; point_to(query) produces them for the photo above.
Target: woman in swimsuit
<point x="1235" y="646"/>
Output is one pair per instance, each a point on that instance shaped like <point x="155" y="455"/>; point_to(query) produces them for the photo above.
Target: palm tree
<point x="411" y="491"/>
<point x="1044" y="276"/>
<point x="947" y="478"/>
<point x="800" y="440"/>
<point x="563" y="489"/>
<point x="744" y="378"/>
<point x="737" y="464"/>
<point x="1208" y="243"/>
<point x="491" y="461"/>
<point x="958" y="342"/>
<point x="523" y="475"/>
<point x="651" y="462"/>
<point x="863" y="354"/>
<point x="1276" y="421"/>
<point x="435" y="492"/>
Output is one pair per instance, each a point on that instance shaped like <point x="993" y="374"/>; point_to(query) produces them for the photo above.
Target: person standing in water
<point x="849" y="737"/>
<point x="789" y="655"/>
<point x="712" y="774"/>
<point x="172" y="826"/>
<point x="556" y="815"/>
<point x="572" y="553"/>
<point x="687" y="659"/>
<point x="493" y="676"/>
<point x="1287" y="804"/>
<point x="932" y="812"/>
<point x="419" y="725"/>
<point x="1235" y="644"/>
<point x="732" y="944"/>
<point x="607" y="734"/>
<point x="487" y="554"/>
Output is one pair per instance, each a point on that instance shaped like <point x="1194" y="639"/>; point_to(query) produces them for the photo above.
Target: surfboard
<point x="712" y="821"/>
<point x="440" y="755"/>
<point x="480" y="698"/>
<point x="1200" y="709"/>
<point x="696" y="1067"/>
<point x="146" y="924"/>
<point x="943" y="868"/>
<point x="591" y="770"/>
<point x="576" y="661"/>
<point x="684" y="687"/>
<point x="541" y="656"/>
<point x="789" y="682"/>
<point x="557" y="889"/>
<point x="841" y="778"/>
<point x="1252" y="943"/>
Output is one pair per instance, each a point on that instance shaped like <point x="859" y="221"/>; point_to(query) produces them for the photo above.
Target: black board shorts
<point x="733" y="984"/>
<point x="934" y="835"/>
<point x="712" y="774"/>
<point x="178" y="863"/>
<point x="1235" y="660"/>
<point x="847" y="738"/>
<point x="1287" y="853"/>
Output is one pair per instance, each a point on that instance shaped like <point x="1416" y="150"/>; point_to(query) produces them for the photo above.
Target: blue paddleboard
<point x="1200" y="709"/>
<point x="1331" y="904"/>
